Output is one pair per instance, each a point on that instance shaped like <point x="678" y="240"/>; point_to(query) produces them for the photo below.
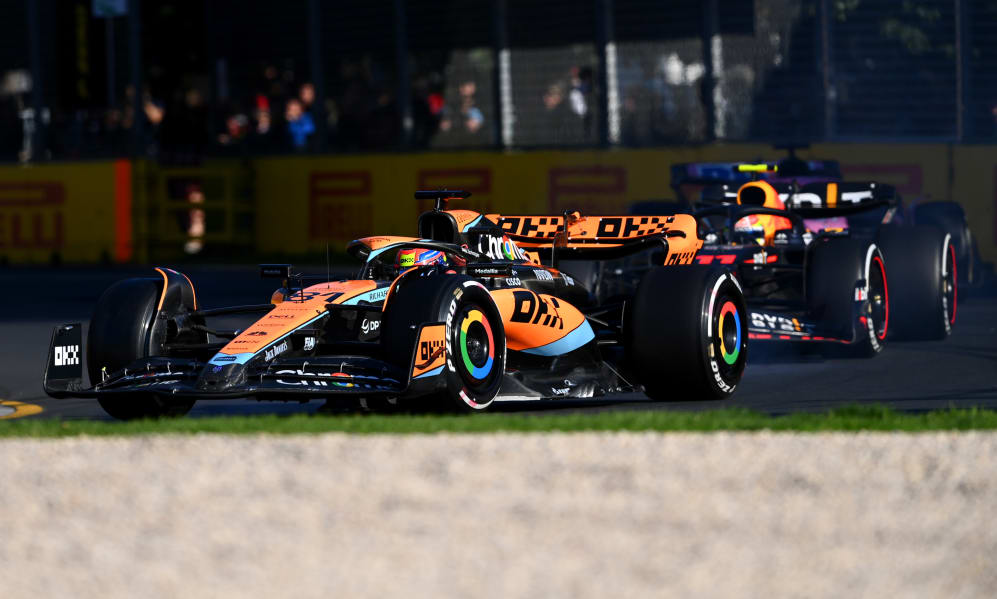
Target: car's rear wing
<point x="711" y="173"/>
<point x="606" y="235"/>
<point x="844" y="194"/>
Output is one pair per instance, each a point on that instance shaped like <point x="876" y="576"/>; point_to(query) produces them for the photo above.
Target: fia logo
<point x="67" y="355"/>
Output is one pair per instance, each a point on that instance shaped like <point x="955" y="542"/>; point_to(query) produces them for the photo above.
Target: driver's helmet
<point x="410" y="258"/>
<point x="761" y="228"/>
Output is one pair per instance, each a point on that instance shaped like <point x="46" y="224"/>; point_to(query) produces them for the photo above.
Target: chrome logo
<point x="476" y="371"/>
<point x="507" y="249"/>
<point x="341" y="375"/>
<point x="728" y="308"/>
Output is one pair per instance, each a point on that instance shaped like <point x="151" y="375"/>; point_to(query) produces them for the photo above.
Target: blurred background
<point x="236" y="130"/>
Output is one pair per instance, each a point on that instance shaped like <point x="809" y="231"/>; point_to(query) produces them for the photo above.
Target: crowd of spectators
<point x="275" y="111"/>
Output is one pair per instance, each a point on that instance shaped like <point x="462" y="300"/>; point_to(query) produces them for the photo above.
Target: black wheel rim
<point x="476" y="346"/>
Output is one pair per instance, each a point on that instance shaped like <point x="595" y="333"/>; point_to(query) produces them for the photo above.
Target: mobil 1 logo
<point x="65" y="356"/>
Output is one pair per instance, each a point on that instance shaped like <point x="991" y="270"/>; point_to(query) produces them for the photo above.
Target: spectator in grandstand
<point x="236" y="129"/>
<point x="580" y="97"/>
<point x="562" y="124"/>
<point x="465" y="121"/>
<point x="306" y="93"/>
<point x="185" y="133"/>
<point x="300" y="125"/>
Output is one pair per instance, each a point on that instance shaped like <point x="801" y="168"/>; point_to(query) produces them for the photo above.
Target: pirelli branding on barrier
<point x="306" y="202"/>
<point x="32" y="215"/>
<point x="74" y="212"/>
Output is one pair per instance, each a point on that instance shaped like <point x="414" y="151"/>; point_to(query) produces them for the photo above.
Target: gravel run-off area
<point x="502" y="515"/>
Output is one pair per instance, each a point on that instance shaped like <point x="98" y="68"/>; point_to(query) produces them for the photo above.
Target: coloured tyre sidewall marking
<point x="729" y="310"/>
<point x="476" y="316"/>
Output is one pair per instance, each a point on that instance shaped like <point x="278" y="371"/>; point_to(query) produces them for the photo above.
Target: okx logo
<point x="67" y="355"/>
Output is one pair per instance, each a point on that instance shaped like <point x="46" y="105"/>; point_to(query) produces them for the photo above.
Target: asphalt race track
<point x="961" y="371"/>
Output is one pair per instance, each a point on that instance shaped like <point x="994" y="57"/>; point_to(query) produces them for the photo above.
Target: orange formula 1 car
<point x="471" y="311"/>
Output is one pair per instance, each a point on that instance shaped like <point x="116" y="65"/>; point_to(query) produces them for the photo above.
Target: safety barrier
<point x="122" y="211"/>
<point x="336" y="199"/>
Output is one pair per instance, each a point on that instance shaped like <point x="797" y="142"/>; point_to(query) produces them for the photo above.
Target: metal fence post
<point x="826" y="67"/>
<point x="404" y="82"/>
<point x="35" y="63"/>
<point x="709" y="86"/>
<point x="501" y="91"/>
<point x="135" y="56"/>
<point x="963" y="52"/>
<point x="609" y="93"/>
<point x="317" y="67"/>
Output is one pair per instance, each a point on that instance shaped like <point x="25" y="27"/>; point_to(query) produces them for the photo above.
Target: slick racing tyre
<point x="848" y="293"/>
<point x="475" y="338"/>
<point x="685" y="333"/>
<point x="949" y="217"/>
<point x="121" y="331"/>
<point x="922" y="272"/>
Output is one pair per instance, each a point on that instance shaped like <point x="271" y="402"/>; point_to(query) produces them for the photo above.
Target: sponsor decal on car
<point x="309" y="343"/>
<point x="275" y="351"/>
<point x="543" y="275"/>
<point x="328" y="379"/>
<point x="257" y="334"/>
<point x="514" y="282"/>
<point x="567" y="279"/>
<point x="370" y="327"/>
<point x="377" y="295"/>
<point x="430" y="352"/>
<point x="719" y="258"/>
<point x="499" y="248"/>
<point x="536" y="309"/>
<point x="67" y="355"/>
<point x="773" y="322"/>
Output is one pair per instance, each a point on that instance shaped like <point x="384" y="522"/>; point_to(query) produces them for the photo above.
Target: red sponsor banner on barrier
<point x="589" y="189"/>
<point x="340" y="205"/>
<point x="31" y="216"/>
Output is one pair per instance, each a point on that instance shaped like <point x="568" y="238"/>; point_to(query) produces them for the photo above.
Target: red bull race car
<point x="820" y="261"/>
<point x="472" y="310"/>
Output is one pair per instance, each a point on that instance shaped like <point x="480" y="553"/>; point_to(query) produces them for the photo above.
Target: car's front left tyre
<point x="121" y="332"/>
<point x="475" y="349"/>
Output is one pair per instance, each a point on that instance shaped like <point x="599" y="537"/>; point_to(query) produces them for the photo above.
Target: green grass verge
<point x="864" y="418"/>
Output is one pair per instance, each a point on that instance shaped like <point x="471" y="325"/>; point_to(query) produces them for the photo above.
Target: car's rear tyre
<point x="121" y="331"/>
<point x="834" y="268"/>
<point x="475" y="337"/>
<point x="922" y="271"/>
<point x="950" y="218"/>
<point x="686" y="332"/>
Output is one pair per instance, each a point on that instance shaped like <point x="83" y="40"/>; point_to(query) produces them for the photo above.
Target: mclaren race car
<point x="472" y="310"/>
